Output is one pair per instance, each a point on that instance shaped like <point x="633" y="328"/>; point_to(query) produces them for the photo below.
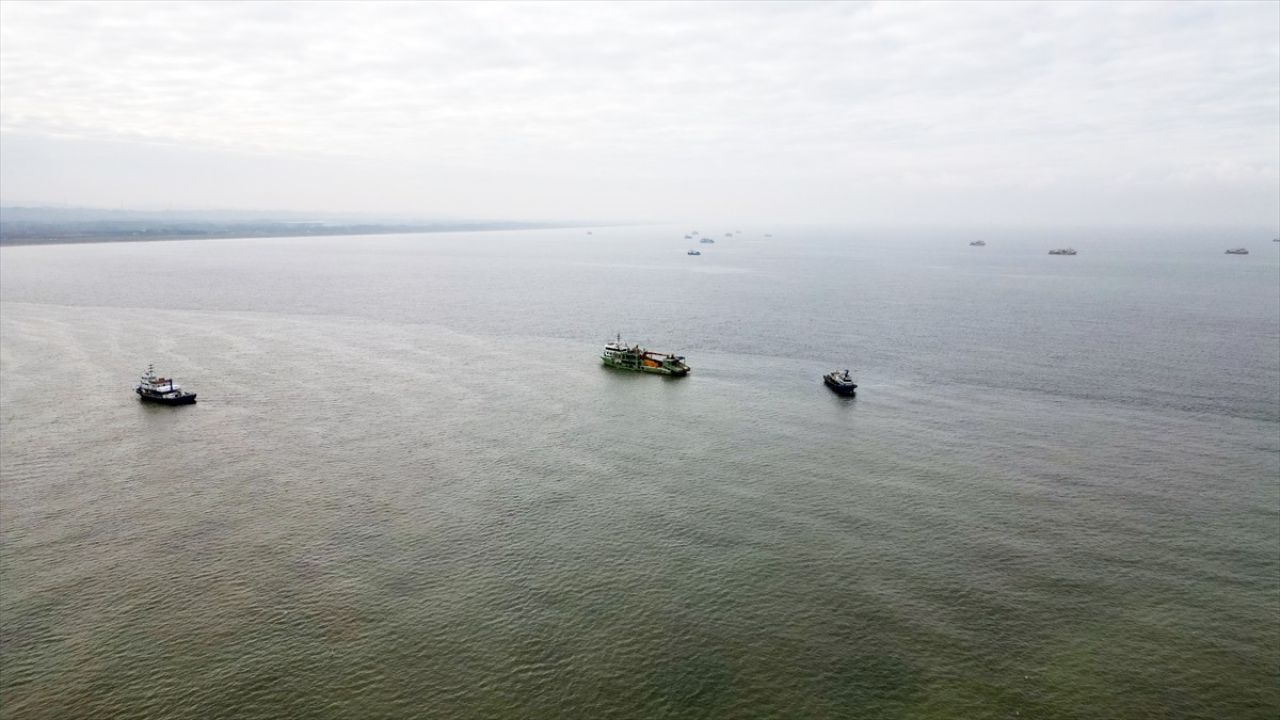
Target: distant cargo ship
<point x="1063" y="251"/>
<point x="634" y="357"/>
<point x="978" y="243"/>
<point x="1237" y="251"/>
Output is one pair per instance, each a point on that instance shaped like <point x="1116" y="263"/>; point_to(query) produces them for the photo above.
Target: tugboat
<point x="693" y="252"/>
<point x="153" y="388"/>
<point x="841" y="383"/>
<point x="1237" y="251"/>
<point x="634" y="357"/>
<point x="978" y="243"/>
<point x="1063" y="251"/>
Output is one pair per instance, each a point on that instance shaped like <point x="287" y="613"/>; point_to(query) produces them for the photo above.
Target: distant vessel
<point x="693" y="252"/>
<point x="1063" y="251"/>
<point x="841" y="383"/>
<point x="707" y="241"/>
<point x="688" y="237"/>
<point x="153" y="388"/>
<point x="978" y="243"/>
<point x="634" y="357"/>
<point x="1237" y="251"/>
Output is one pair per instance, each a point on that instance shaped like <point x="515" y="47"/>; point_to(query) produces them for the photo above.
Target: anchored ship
<point x="153" y="388"/>
<point x="978" y="243"/>
<point x="842" y="383"/>
<point x="633" y="357"/>
<point x="1237" y="251"/>
<point x="1063" y="251"/>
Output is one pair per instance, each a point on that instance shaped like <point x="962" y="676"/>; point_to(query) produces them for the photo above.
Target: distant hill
<point x="43" y="225"/>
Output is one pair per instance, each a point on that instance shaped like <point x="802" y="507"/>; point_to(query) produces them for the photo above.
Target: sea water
<point x="410" y="489"/>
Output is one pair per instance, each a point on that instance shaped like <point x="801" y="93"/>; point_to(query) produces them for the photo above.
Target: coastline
<point x="63" y="235"/>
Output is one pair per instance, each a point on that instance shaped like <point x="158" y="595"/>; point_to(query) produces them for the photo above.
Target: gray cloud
<point x="765" y="111"/>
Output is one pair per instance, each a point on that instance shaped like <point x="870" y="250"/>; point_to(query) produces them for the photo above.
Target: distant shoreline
<point x="57" y="234"/>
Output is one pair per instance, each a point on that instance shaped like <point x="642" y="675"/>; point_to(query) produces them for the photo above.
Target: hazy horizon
<point x="39" y="214"/>
<point x="978" y="114"/>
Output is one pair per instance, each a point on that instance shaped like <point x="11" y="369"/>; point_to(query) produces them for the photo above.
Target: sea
<point x="410" y="489"/>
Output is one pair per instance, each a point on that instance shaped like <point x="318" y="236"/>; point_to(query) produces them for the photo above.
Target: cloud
<point x="754" y="100"/>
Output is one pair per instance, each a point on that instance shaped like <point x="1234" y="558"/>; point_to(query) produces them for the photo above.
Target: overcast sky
<point x="881" y="112"/>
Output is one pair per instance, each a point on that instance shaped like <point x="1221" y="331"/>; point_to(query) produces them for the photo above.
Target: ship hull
<point x="659" y="370"/>
<point x="186" y="399"/>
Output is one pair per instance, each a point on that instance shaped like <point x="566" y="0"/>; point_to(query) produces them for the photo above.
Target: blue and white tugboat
<point x="153" y="388"/>
<point x="841" y="383"/>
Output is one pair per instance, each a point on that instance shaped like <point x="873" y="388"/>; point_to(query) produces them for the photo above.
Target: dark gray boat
<point x="841" y="383"/>
<point x="156" y="389"/>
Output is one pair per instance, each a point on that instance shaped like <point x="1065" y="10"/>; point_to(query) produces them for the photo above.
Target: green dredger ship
<point x="637" y="358"/>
